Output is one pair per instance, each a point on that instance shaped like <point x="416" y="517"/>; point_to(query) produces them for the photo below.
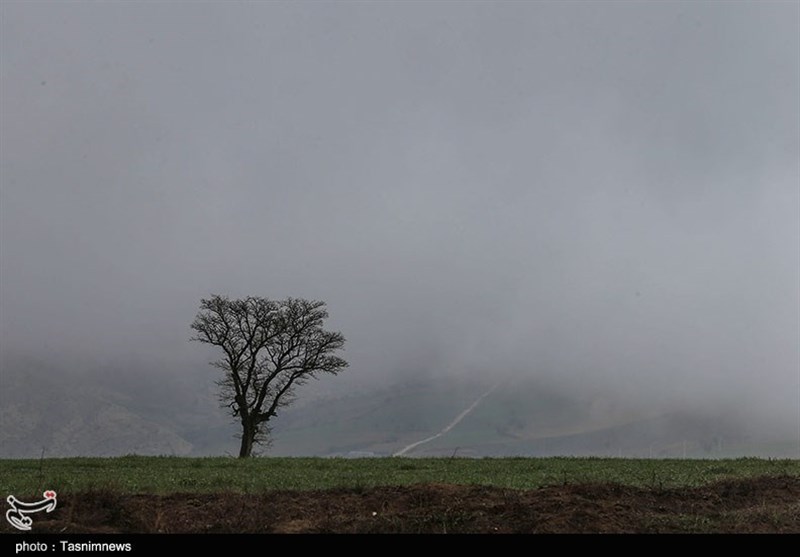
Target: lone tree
<point x="268" y="348"/>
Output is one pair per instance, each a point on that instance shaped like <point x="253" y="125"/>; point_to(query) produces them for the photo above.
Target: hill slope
<point x="150" y="412"/>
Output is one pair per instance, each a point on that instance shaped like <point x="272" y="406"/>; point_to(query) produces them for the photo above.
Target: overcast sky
<point x="606" y="193"/>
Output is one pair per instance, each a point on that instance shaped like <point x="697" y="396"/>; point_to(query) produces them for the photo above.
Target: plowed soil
<point x="767" y="504"/>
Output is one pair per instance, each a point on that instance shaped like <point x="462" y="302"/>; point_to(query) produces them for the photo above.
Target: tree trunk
<point x="248" y="436"/>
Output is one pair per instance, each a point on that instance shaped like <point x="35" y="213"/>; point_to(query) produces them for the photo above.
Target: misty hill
<point x="517" y="418"/>
<point x="99" y="412"/>
<point x="66" y="419"/>
<point x="91" y="411"/>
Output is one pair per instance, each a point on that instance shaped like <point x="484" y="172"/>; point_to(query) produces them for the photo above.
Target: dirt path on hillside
<point x="448" y="427"/>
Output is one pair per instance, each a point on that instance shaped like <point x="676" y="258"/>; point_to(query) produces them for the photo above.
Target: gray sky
<point x="604" y="193"/>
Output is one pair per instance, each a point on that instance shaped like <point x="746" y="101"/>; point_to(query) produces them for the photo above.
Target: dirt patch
<point x="767" y="504"/>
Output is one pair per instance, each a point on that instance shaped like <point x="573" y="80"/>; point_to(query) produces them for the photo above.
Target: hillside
<point x="96" y="413"/>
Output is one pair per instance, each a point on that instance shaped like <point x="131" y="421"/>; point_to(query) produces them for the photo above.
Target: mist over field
<point x="591" y="207"/>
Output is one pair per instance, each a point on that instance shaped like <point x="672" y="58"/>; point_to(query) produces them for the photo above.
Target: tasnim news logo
<point x="17" y="515"/>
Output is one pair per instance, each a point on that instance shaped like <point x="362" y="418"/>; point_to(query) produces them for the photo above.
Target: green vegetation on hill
<point x="135" y="474"/>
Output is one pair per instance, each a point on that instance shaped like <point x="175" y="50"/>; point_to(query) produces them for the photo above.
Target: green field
<point x="136" y="474"/>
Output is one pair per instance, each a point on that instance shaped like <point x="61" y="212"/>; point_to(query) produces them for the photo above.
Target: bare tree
<point x="269" y="348"/>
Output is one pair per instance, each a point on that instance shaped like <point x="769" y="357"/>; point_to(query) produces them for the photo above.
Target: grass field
<point x="162" y="475"/>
